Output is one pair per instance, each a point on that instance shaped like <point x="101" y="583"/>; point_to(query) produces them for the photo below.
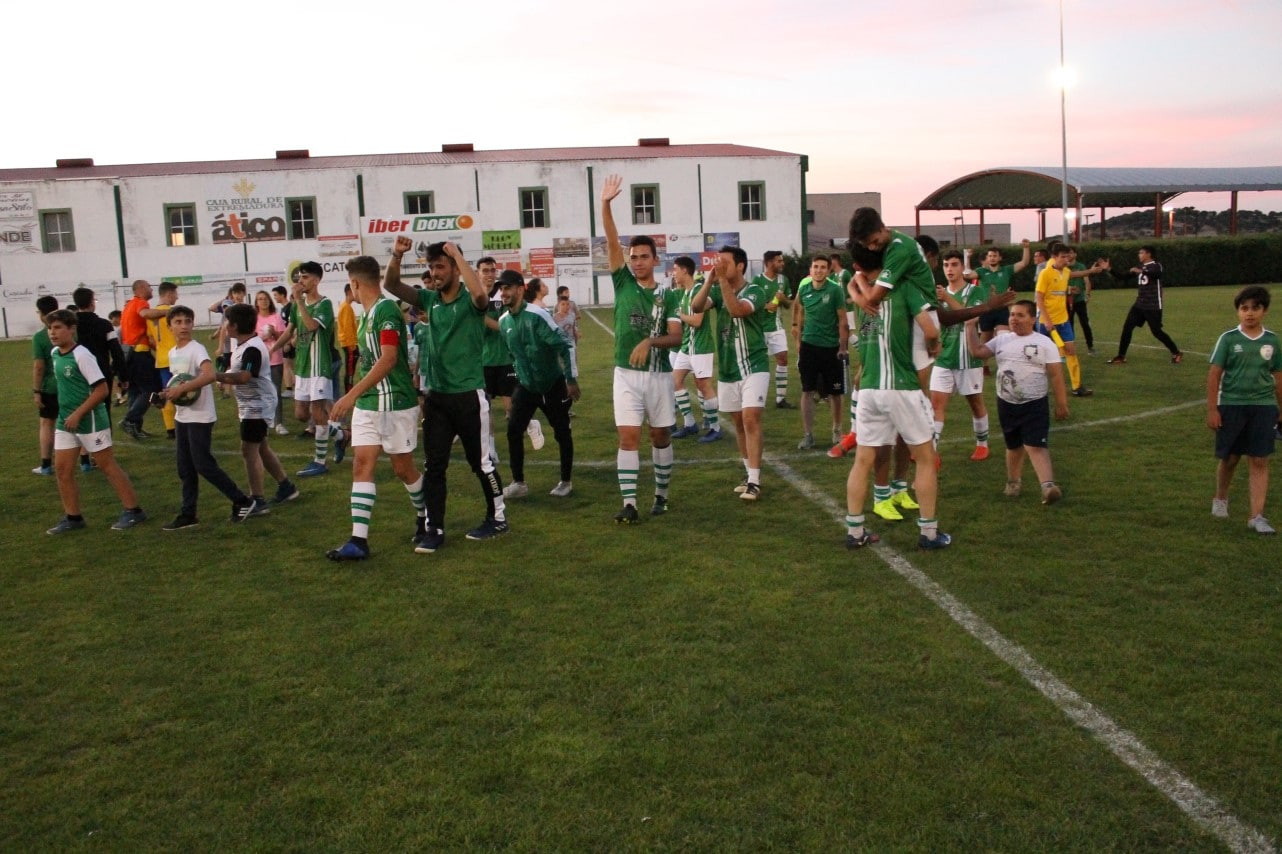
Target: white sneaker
<point x="562" y="489"/>
<point x="516" y="489"/>
<point x="1220" y="508"/>
<point x="282" y="430"/>
<point x="535" y="432"/>
<point x="1261" y="525"/>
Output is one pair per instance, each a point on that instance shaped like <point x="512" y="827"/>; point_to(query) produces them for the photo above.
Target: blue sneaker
<point x="710" y="436"/>
<point x="340" y="447"/>
<point x="686" y="432"/>
<point x="428" y="542"/>
<point x="128" y="519"/>
<point x="487" y="530"/>
<point x="941" y="541"/>
<point x="43" y="470"/>
<point x="66" y="525"/>
<point x="348" y="551"/>
<point x="86" y="467"/>
<point x="866" y="539"/>
<point x="314" y="469"/>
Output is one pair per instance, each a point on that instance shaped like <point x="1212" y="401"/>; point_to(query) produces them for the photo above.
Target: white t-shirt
<point x="187" y="360"/>
<point x="1021" y="365"/>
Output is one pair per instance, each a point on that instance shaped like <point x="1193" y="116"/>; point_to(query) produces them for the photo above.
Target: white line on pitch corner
<point x="1203" y="809"/>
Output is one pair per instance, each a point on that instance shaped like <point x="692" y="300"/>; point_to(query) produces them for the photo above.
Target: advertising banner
<point x="497" y="241"/>
<point x="339" y="245"/>
<point x="244" y="211"/>
<point x="379" y="233"/>
<point x="19" y="229"/>
<point x="542" y="263"/>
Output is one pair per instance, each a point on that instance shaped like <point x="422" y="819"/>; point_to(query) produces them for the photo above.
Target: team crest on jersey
<point x="66" y="372"/>
<point x="1266" y="352"/>
<point x="1030" y="351"/>
<point x="638" y="321"/>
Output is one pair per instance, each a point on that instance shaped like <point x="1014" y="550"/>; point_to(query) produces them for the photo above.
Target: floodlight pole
<point x="1063" y="124"/>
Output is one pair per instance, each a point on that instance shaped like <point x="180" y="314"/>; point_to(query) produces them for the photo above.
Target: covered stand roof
<point x="1021" y="187"/>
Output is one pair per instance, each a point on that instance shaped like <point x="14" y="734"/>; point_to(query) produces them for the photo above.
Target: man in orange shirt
<point x="140" y="360"/>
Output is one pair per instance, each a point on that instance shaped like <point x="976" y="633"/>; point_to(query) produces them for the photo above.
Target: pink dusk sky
<point x="897" y="98"/>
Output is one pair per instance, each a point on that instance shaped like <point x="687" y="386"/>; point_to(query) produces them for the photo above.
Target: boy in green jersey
<point x="543" y="357"/>
<point x="1243" y="396"/>
<point x="311" y="329"/>
<point x="44" y="389"/>
<point x="383" y="405"/>
<point x="456" y="406"/>
<point x="819" y="325"/>
<point x="995" y="278"/>
<point x="694" y="356"/>
<point x="956" y="371"/>
<point x="646" y="322"/>
<point x="83" y="423"/>
<point x="743" y="366"/>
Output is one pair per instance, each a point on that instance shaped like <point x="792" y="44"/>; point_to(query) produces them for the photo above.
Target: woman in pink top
<point x="270" y="326"/>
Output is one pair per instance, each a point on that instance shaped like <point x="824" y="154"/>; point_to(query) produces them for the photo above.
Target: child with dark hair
<point x="44" y="388"/>
<point x="1243" y="396"/>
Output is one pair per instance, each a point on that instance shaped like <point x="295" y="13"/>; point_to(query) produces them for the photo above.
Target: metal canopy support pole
<point x="1157" y="216"/>
<point x="1233" y="212"/>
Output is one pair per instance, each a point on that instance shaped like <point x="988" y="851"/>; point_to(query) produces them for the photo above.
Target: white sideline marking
<point x="1183" y="792"/>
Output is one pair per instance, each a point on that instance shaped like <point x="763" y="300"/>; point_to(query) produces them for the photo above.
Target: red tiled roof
<point x="365" y="161"/>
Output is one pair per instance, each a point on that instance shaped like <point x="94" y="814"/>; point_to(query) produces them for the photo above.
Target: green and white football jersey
<point x="741" y="341"/>
<point x="313" y="346"/>
<point x="395" y="390"/>
<point x="641" y="313"/>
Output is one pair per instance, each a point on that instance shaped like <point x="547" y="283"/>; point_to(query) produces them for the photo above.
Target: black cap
<point x="511" y="277"/>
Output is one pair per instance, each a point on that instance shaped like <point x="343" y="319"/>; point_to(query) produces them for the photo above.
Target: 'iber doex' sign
<point x="418" y="224"/>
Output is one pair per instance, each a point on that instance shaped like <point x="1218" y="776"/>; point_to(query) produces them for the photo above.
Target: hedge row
<point x="1191" y="261"/>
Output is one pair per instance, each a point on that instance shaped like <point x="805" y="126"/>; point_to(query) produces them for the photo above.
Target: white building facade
<point x="207" y="225"/>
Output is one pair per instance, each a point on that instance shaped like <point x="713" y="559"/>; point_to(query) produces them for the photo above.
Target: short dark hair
<point x="1257" y="294"/>
<point x="115" y="314"/>
<point x="928" y="244"/>
<point x="487" y="259"/>
<point x="171" y="287"/>
<point x="1150" y="249"/>
<point x="864" y="223"/>
<point x="311" y="268"/>
<point x="241" y="317"/>
<point x="685" y="262"/>
<point x="436" y="251"/>
<point x="819" y="256"/>
<point x="532" y="289"/>
<point x="239" y="287"/>
<point x="363" y="267"/>
<point x="562" y="289"/>
<point x="1028" y="304"/>
<point x="740" y="257"/>
<point x="279" y="289"/>
<point x="866" y="259"/>
<point x="46" y="304"/>
<point x="771" y="255"/>
<point x="184" y="311"/>
<point x="952" y="254"/>
<point x="1056" y="248"/>
<point x="645" y="240"/>
<point x="63" y="316"/>
<point x="82" y="297"/>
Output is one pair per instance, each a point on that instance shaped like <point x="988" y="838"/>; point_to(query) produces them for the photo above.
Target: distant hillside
<point x="1188" y="221"/>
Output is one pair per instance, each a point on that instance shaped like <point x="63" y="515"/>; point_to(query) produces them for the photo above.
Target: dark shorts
<point x="500" y="380"/>
<point x="288" y="352"/>
<point x="820" y="370"/>
<point x="990" y="320"/>
<point x="1025" y="423"/>
<point x="253" y="430"/>
<point x="49" y="404"/>
<point x="1245" y="431"/>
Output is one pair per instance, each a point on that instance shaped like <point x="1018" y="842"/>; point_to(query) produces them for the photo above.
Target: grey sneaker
<point x="129" y="518"/>
<point x="562" y="489"/>
<point x="807" y="442"/>
<point x="1051" y="493"/>
<point x="1013" y="488"/>
<point x="66" y="525"/>
<point x="1220" y="508"/>
<point x="1261" y="525"/>
<point x="535" y="432"/>
<point x="516" y="489"/>
<point x="751" y="492"/>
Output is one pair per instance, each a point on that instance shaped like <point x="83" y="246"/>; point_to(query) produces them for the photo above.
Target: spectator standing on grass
<point x="281" y="297"/>
<point x="566" y="313"/>
<point x="140" y="364"/>
<point x="83" y="424"/>
<point x="268" y="326"/>
<point x="44" y="388"/>
<point x="193" y="450"/>
<point x="159" y="331"/>
<point x="1243" y="397"/>
<point x="250" y="376"/>
<point x="1146" y="309"/>
<point x="546" y="379"/>
<point x="1028" y="364"/>
<point x="1079" y="301"/>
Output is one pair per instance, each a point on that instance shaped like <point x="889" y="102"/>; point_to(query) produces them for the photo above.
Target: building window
<point x="752" y="201"/>
<point x="302" y="218"/>
<point x="645" y="204"/>
<point x="420" y="202"/>
<point x="810" y="217"/>
<point x="56" y="232"/>
<point x="180" y="225"/>
<point x="534" y="207"/>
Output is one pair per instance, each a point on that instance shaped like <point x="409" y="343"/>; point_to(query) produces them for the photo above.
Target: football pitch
<point x="1102" y="674"/>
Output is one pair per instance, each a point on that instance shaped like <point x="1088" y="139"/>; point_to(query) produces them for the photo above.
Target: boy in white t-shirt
<point x="1028" y="363"/>
<point x="195" y="426"/>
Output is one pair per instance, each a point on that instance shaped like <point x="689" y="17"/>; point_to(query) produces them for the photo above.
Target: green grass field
<point x="725" y="678"/>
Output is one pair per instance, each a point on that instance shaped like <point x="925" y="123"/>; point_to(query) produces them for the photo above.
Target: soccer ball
<point x="186" y="399"/>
